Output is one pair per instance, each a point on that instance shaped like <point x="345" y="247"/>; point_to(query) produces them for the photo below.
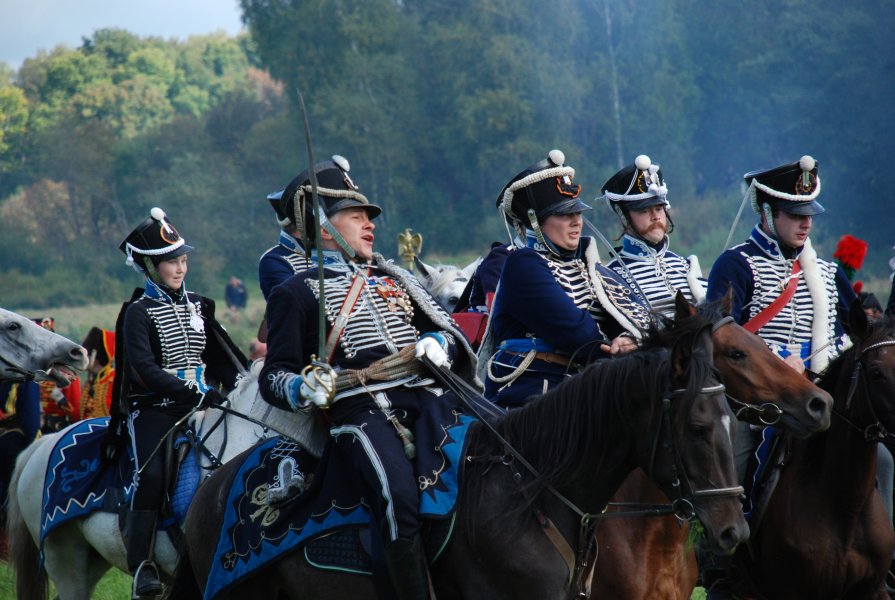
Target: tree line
<point x="436" y="105"/>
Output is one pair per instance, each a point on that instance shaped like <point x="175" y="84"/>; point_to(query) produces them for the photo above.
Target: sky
<point x="27" y="26"/>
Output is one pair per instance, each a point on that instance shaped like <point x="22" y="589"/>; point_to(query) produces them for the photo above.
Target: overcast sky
<point x="27" y="26"/>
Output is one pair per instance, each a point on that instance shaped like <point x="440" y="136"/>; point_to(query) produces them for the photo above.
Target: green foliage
<point x="437" y="106"/>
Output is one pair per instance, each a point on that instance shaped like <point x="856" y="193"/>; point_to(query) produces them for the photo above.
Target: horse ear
<point x="681" y="353"/>
<point x="469" y="269"/>
<point x="727" y="300"/>
<point x="857" y="320"/>
<point x="682" y="306"/>
<point x="422" y="268"/>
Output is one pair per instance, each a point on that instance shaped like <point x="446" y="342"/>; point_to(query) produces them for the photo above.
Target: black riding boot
<point x="140" y="533"/>
<point x="407" y="568"/>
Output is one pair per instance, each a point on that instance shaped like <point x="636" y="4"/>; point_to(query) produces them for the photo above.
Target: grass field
<point x="114" y="586"/>
<point x="117" y="586"/>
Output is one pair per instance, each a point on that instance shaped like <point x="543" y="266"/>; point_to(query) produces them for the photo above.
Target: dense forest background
<point x="436" y="105"/>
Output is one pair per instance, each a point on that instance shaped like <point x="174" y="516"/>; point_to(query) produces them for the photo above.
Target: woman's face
<point x="563" y="230"/>
<point x="172" y="271"/>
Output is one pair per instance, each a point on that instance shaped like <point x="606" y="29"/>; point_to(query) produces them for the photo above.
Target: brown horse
<point x="648" y="558"/>
<point x="517" y="530"/>
<point x="825" y="533"/>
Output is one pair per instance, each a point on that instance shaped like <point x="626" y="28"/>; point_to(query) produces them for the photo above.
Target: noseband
<point x="768" y="413"/>
<point x="682" y="506"/>
<point x="26" y="375"/>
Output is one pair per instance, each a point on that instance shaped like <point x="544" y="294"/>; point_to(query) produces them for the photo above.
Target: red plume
<point x="851" y="252"/>
<point x="858" y="286"/>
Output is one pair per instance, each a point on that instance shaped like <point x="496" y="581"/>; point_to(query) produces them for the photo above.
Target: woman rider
<point x="556" y="306"/>
<point x="174" y="356"/>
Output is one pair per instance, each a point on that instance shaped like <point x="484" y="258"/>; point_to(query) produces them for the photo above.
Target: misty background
<point x="436" y="105"/>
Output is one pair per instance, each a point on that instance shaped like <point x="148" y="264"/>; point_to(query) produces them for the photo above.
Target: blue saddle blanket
<point x="256" y="531"/>
<point x="78" y="483"/>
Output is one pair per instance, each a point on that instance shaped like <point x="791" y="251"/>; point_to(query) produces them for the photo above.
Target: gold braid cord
<point x="394" y="366"/>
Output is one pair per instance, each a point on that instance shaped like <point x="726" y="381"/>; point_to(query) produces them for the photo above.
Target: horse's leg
<point x="72" y="564"/>
<point x="31" y="579"/>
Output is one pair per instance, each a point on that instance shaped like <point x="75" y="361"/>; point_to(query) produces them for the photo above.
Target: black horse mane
<point x="580" y="417"/>
<point x="880" y="328"/>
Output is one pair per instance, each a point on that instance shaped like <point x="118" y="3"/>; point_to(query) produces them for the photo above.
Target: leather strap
<point x="357" y="286"/>
<point x="771" y="310"/>
<point x="550" y="357"/>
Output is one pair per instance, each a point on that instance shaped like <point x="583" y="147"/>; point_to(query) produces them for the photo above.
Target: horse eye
<point x="876" y="373"/>
<point x="736" y="355"/>
<point x="699" y="432"/>
<point x="454" y="299"/>
<point x="14" y="326"/>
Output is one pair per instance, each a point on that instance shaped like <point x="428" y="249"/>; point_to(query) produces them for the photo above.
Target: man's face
<point x="563" y="230"/>
<point x="650" y="223"/>
<point x="792" y="230"/>
<point x="355" y="226"/>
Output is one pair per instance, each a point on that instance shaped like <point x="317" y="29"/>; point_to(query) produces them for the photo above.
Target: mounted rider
<point x="379" y="321"/>
<point x="638" y="194"/>
<point x="171" y="358"/>
<point x="288" y="257"/>
<point x="556" y="307"/>
<point x="781" y="290"/>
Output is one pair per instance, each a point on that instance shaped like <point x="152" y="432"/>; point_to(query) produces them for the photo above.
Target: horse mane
<point x="442" y="277"/>
<point x="580" y="417"/>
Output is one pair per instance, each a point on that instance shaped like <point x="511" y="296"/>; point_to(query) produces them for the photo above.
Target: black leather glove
<point x="113" y="443"/>
<point x="212" y="397"/>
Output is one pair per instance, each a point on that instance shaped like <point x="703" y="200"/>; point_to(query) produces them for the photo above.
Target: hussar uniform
<point x="553" y="308"/>
<point x="284" y="260"/>
<point x="173" y="357"/>
<point x="655" y="272"/>
<point x="375" y="314"/>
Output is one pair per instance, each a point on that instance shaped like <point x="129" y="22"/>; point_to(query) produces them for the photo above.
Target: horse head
<point x="28" y="351"/>
<point x="874" y="369"/>
<point x="445" y="282"/>
<point x="763" y="389"/>
<point x="691" y="451"/>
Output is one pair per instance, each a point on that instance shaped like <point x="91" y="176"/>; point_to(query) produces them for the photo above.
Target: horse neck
<point x="231" y="433"/>
<point x="582" y="436"/>
<point x="847" y="460"/>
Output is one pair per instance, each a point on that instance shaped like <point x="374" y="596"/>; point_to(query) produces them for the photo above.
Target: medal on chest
<point x="395" y="297"/>
<point x="196" y="321"/>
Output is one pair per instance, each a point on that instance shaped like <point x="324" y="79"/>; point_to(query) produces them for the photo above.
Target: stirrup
<point x="146" y="582"/>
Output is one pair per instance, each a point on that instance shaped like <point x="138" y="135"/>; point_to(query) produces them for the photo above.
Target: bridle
<point x="682" y="507"/>
<point x="26" y="375"/>
<point x="767" y="413"/>
<point x="875" y="431"/>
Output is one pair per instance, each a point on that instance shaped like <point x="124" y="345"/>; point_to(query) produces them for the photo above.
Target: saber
<point x="321" y="321"/>
<point x="599" y="235"/>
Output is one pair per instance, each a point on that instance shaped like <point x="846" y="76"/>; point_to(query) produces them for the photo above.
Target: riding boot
<point x="407" y="568"/>
<point x="140" y="535"/>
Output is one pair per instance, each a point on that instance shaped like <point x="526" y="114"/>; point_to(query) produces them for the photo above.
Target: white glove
<point x="57" y="395"/>
<point x="429" y="347"/>
<point x="318" y="386"/>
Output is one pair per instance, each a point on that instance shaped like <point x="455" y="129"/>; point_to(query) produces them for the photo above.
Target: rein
<point x="26" y="375"/>
<point x="875" y="432"/>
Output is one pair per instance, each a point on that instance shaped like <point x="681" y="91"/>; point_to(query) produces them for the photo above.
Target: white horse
<point x="445" y="282"/>
<point x="28" y="351"/>
<point x="77" y="554"/>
